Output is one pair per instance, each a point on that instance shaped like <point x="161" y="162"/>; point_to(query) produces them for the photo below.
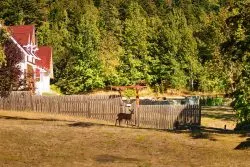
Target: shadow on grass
<point x="222" y="113"/>
<point x="86" y="124"/>
<point x="199" y="134"/>
<point x="202" y="132"/>
<point x="243" y="145"/>
<point x="111" y="158"/>
<point x="218" y="130"/>
<point x="71" y="124"/>
<point x="224" y="117"/>
<point x="218" y="109"/>
<point x="196" y="132"/>
<point x="31" y="119"/>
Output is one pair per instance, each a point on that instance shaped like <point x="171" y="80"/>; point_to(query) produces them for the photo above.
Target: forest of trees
<point x="201" y="45"/>
<point x="164" y="43"/>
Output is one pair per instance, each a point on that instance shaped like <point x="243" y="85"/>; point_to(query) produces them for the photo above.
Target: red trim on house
<point x="37" y="73"/>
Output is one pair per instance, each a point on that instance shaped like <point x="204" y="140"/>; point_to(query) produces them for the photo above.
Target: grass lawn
<point x="36" y="139"/>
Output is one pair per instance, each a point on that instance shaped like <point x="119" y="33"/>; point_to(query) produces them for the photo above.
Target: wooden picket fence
<point x="104" y="107"/>
<point x="96" y="107"/>
<point x="168" y="116"/>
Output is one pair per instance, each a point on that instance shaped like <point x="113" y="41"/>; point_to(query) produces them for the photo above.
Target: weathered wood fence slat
<point x="105" y="107"/>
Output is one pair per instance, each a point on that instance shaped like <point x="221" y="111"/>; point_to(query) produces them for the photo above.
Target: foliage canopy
<point x="195" y="45"/>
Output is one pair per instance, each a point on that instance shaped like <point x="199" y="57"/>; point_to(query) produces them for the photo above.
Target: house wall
<point x="29" y="60"/>
<point x="44" y="84"/>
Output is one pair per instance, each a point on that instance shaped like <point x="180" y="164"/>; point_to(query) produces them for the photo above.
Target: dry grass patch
<point x="36" y="139"/>
<point x="218" y="117"/>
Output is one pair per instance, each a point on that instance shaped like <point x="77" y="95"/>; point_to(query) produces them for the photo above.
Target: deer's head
<point x="131" y="111"/>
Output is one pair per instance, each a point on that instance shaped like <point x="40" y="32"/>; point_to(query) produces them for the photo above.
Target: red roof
<point x="22" y="39"/>
<point x="45" y="54"/>
<point x="23" y="34"/>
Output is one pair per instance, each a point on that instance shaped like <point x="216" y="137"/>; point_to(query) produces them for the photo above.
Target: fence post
<point x="58" y="106"/>
<point x="137" y="120"/>
<point x="103" y="111"/>
<point x="89" y="113"/>
<point x="50" y="106"/>
<point x="199" y="114"/>
<point x="31" y="103"/>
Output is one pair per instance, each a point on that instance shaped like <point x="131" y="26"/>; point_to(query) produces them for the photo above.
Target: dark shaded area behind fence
<point x="105" y="107"/>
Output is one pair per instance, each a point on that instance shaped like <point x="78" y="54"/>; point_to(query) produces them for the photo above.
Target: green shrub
<point x="209" y="102"/>
<point x="128" y="93"/>
<point x="56" y="89"/>
<point x="218" y="101"/>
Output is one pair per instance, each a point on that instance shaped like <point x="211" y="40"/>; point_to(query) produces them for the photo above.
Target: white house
<point x="37" y="63"/>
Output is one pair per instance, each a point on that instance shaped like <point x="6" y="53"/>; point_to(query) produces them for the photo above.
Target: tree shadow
<point x="218" y="130"/>
<point x="104" y="158"/>
<point x="81" y="124"/>
<point x="202" y="132"/>
<point x="31" y="119"/>
<point x="222" y="113"/>
<point x="218" y="109"/>
<point x="243" y="145"/>
<point x="225" y="117"/>
<point x="199" y="133"/>
<point x="89" y="124"/>
<point x="71" y="124"/>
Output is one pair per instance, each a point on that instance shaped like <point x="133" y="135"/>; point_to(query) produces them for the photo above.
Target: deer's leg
<point x="119" y="122"/>
<point x="116" y="121"/>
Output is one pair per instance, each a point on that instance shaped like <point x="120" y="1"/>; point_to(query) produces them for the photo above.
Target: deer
<point x="125" y="116"/>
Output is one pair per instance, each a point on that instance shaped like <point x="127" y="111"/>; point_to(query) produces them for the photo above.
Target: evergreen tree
<point x="83" y="71"/>
<point x="237" y="50"/>
<point x="16" y="12"/>
<point x="175" y="44"/>
<point x="135" y="59"/>
<point x="110" y="47"/>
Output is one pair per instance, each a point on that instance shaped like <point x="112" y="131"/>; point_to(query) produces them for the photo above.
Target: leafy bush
<point x="9" y="71"/>
<point x="218" y="101"/>
<point x="210" y="101"/>
<point x="245" y="126"/>
<point x="242" y="105"/>
<point x="128" y="93"/>
<point x="56" y="89"/>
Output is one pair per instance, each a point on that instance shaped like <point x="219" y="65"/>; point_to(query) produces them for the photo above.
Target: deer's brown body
<point x="126" y="117"/>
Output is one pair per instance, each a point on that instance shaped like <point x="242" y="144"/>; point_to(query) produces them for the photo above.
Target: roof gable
<point x="22" y="38"/>
<point x="24" y="34"/>
<point x="45" y="54"/>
